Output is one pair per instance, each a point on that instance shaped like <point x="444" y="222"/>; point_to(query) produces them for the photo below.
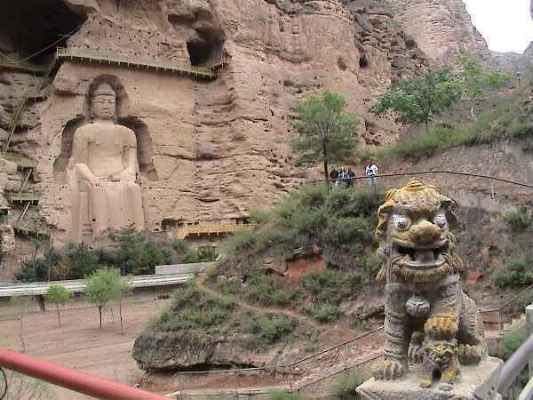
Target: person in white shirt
<point x="371" y="172"/>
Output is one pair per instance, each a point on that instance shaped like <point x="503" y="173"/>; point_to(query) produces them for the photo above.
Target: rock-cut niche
<point x="142" y="134"/>
<point x="102" y="160"/>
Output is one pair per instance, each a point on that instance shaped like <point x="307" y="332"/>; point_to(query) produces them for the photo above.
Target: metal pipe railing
<point x="514" y="366"/>
<point x="71" y="379"/>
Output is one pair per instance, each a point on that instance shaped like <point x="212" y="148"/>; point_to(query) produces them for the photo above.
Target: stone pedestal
<point x="475" y="383"/>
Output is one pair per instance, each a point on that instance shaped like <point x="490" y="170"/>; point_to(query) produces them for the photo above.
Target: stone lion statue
<point x="429" y="320"/>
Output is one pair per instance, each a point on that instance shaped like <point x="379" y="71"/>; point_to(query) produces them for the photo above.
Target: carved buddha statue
<point x="102" y="173"/>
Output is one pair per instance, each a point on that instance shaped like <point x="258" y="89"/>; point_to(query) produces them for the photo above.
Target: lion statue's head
<point x="413" y="233"/>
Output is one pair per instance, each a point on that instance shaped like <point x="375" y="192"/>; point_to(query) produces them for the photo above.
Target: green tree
<point x="418" y="100"/>
<point x="326" y="131"/>
<point x="137" y="255"/>
<point x="476" y="80"/>
<point x="58" y="295"/>
<point x="104" y="286"/>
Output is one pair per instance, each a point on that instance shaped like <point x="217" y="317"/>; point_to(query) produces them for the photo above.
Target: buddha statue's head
<point x="104" y="102"/>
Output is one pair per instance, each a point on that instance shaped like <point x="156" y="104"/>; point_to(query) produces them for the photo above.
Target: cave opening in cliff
<point x="203" y="51"/>
<point x="33" y="29"/>
<point x="363" y="61"/>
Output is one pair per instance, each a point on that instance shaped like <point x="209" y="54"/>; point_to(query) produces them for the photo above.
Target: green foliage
<point x="133" y="253"/>
<point x="193" y="309"/>
<point x="519" y="220"/>
<point x="324" y="313"/>
<point x="104" y="286"/>
<point x="137" y="255"/>
<point x="331" y="286"/>
<point x="517" y="273"/>
<point x="345" y="386"/>
<point x="38" y="269"/>
<point x="326" y="131"/>
<point x="265" y="290"/>
<point x="58" y="294"/>
<point x="513" y="340"/>
<point x="268" y="329"/>
<point x="79" y="260"/>
<point x="284" y="395"/>
<point x="476" y="80"/>
<point x="419" y="100"/>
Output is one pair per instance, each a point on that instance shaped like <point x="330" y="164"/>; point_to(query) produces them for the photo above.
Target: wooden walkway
<point x="210" y="230"/>
<point x="92" y="56"/>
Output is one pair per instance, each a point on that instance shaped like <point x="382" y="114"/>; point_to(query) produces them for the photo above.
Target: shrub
<point x="193" y="309"/>
<point x="80" y="261"/>
<point x="137" y="255"/>
<point x="518" y="220"/>
<point x="39" y="268"/>
<point x="331" y="286"/>
<point x="324" y="312"/>
<point x="513" y="340"/>
<point x="266" y="290"/>
<point x="345" y="386"/>
<point x="268" y="329"/>
<point x="517" y="273"/>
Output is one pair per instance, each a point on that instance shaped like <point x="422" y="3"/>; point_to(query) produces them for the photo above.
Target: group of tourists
<point x="346" y="176"/>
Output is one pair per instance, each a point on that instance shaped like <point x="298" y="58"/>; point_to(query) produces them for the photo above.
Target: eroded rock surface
<point x="211" y="150"/>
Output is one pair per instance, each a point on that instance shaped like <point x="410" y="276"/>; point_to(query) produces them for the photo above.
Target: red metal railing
<point x="71" y="379"/>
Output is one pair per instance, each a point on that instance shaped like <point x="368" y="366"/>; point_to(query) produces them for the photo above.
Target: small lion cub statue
<point x="440" y="357"/>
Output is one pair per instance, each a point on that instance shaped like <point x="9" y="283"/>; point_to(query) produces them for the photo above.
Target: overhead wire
<point x="444" y="172"/>
<point x="64" y="36"/>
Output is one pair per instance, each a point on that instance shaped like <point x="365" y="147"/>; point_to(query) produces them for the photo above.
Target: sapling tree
<point x="58" y="295"/>
<point x="103" y="287"/>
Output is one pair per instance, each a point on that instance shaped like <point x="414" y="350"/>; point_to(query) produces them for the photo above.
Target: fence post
<point x="529" y="321"/>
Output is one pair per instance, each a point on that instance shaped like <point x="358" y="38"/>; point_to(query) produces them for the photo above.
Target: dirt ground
<point x="79" y="343"/>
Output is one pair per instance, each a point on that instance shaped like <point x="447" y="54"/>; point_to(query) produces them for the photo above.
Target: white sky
<point x="505" y="24"/>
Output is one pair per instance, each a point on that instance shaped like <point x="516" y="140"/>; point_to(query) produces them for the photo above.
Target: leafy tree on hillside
<point x="475" y="79"/>
<point x="104" y="286"/>
<point x="58" y="295"/>
<point x="326" y="131"/>
<point x="418" y="100"/>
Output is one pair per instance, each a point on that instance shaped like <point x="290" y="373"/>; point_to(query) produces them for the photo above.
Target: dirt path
<point x="79" y="343"/>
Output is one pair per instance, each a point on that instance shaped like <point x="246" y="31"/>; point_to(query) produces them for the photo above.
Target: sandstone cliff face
<point x="440" y="27"/>
<point x="210" y="151"/>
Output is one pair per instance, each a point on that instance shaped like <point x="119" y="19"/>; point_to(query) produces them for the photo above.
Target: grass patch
<point x="519" y="220"/>
<point x="267" y="329"/>
<point x="516" y="274"/>
<point x="265" y="290"/>
<point x="512" y="118"/>
<point x="344" y="387"/>
<point x="192" y="309"/>
<point x="339" y="223"/>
